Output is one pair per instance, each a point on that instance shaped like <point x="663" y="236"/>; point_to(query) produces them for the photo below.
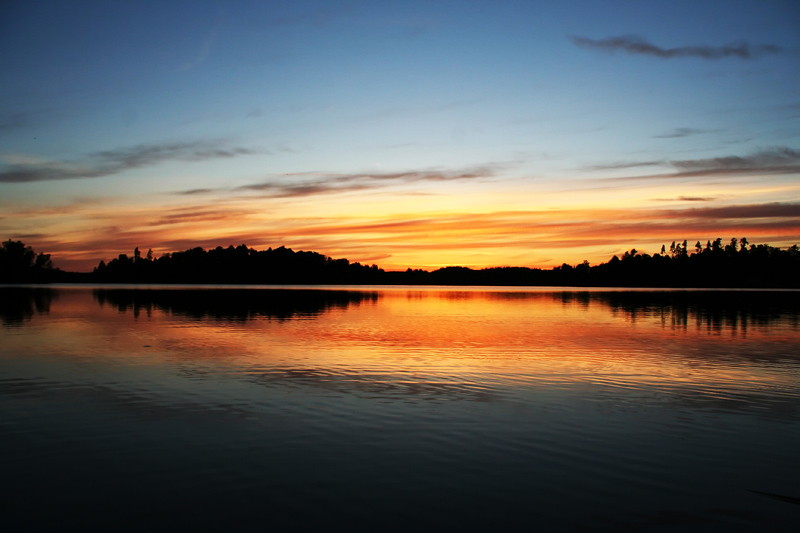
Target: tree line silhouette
<point x="235" y="265"/>
<point x="736" y="264"/>
<point x="20" y="264"/>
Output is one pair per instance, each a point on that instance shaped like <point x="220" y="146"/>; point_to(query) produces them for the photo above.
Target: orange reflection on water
<point x="476" y="338"/>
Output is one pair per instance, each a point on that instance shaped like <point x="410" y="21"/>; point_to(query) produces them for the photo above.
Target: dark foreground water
<point x="398" y="409"/>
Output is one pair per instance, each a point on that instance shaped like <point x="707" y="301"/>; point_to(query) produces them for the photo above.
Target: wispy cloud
<point x="687" y="199"/>
<point x="770" y="210"/>
<point x="149" y="154"/>
<point x="633" y="44"/>
<point x="109" y="162"/>
<point x="625" y="165"/>
<point x="779" y="160"/>
<point x="682" y="132"/>
<point x="194" y="215"/>
<point x="202" y="54"/>
<point x="312" y="183"/>
<point x="196" y="191"/>
<point x="13" y="121"/>
<point x="71" y="207"/>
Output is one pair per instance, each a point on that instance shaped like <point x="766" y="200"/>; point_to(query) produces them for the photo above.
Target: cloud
<point x="337" y="183"/>
<point x="202" y="54"/>
<point x="283" y="190"/>
<point x="29" y="236"/>
<point x="770" y="210"/>
<point x="75" y="206"/>
<point x="196" y="191"/>
<point x="779" y="160"/>
<point x="13" y="121"/>
<point x="149" y="154"/>
<point x="193" y="216"/>
<point x="696" y="198"/>
<point x="109" y="162"/>
<point x="682" y="132"/>
<point x="625" y="165"/>
<point x="687" y="199"/>
<point x="633" y="44"/>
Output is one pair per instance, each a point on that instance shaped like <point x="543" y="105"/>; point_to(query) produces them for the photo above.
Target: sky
<point x="403" y="134"/>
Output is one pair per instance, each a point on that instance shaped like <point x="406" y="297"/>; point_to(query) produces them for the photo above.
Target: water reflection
<point x="233" y="304"/>
<point x="732" y="311"/>
<point x="373" y="384"/>
<point x="18" y="304"/>
<point x="717" y="310"/>
<point x="443" y="409"/>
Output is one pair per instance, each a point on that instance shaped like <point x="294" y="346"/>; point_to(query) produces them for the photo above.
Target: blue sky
<point x="403" y="133"/>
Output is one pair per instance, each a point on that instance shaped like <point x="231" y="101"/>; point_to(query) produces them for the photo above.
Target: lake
<point x="398" y="409"/>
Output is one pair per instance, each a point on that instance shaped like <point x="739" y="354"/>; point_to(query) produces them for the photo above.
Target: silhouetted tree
<point x="715" y="266"/>
<point x="20" y="264"/>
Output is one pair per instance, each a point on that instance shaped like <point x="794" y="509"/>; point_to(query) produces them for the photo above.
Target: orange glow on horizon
<point x="397" y="231"/>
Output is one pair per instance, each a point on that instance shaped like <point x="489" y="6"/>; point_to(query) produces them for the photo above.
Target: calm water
<point x="398" y="409"/>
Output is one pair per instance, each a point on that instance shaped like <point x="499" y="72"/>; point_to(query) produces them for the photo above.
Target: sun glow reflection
<point x="426" y="336"/>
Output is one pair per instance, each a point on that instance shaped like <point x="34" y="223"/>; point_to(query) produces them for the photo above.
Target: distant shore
<point x="735" y="265"/>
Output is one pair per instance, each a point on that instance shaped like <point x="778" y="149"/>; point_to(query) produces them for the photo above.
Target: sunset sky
<point x="405" y="134"/>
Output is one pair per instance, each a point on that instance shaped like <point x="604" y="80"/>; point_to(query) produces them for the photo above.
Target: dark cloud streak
<point x="196" y="191"/>
<point x="110" y="162"/>
<point x="13" y="121"/>
<point x="682" y="132"/>
<point x="779" y="160"/>
<point x="625" y="165"/>
<point x="338" y="183"/>
<point x="771" y="210"/>
<point x="633" y="44"/>
<point x="197" y="216"/>
<point x="687" y="199"/>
